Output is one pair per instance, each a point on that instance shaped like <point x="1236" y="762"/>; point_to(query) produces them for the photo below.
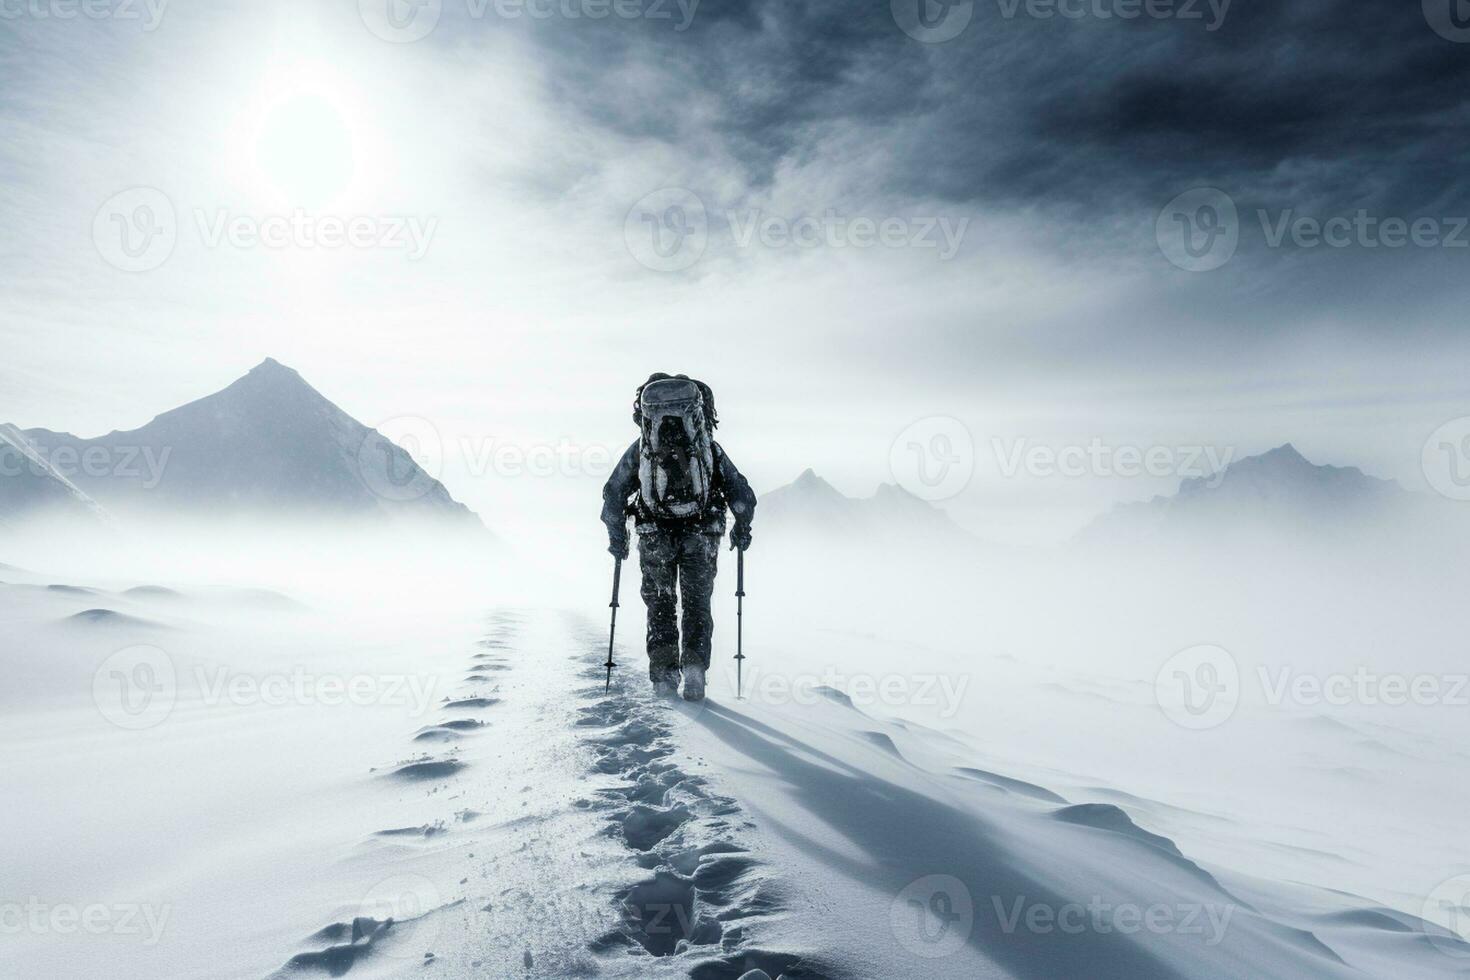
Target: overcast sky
<point x="845" y="218"/>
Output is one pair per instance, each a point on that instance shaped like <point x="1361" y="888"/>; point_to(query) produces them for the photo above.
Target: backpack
<point x="676" y="460"/>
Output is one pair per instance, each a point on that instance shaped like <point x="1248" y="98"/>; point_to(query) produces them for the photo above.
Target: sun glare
<point x="303" y="140"/>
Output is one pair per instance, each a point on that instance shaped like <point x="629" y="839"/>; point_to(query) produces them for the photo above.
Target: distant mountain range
<point x="267" y="445"/>
<point x="271" y="445"/>
<point x="810" y="507"/>
<point x="1277" y="495"/>
<point x="1279" y="492"/>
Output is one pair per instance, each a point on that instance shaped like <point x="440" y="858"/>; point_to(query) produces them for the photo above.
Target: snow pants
<point x="673" y="559"/>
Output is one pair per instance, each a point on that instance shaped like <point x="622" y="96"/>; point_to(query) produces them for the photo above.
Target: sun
<point x="305" y="150"/>
<point x="302" y="140"/>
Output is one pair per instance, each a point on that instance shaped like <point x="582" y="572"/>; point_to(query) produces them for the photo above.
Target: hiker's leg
<point x="698" y="554"/>
<point x="657" y="558"/>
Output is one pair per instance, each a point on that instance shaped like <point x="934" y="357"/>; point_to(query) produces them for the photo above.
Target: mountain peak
<point x="271" y="386"/>
<point x="272" y="368"/>
<point x="809" y="483"/>
<point x="1279" y="489"/>
<point x="268" y="443"/>
<point x="1284" y="463"/>
<point x="1286" y="453"/>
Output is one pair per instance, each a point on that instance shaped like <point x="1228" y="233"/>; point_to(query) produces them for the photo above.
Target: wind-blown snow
<point x="497" y="813"/>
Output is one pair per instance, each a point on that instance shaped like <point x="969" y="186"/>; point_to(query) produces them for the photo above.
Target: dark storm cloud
<point x="1346" y="102"/>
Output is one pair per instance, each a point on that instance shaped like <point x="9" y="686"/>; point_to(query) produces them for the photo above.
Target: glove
<point x="740" y="537"/>
<point x="617" y="546"/>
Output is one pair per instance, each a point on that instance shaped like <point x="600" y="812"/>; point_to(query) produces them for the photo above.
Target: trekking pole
<point x="739" y="620"/>
<point x="613" y="630"/>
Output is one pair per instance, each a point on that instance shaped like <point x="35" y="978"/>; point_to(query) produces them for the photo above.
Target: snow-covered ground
<point x="938" y="780"/>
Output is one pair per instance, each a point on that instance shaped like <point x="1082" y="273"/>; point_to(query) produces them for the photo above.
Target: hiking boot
<point x="665" y="683"/>
<point x="693" y="683"/>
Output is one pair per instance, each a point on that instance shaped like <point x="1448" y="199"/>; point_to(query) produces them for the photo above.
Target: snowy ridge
<point x="31" y="487"/>
<point x="877" y="820"/>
